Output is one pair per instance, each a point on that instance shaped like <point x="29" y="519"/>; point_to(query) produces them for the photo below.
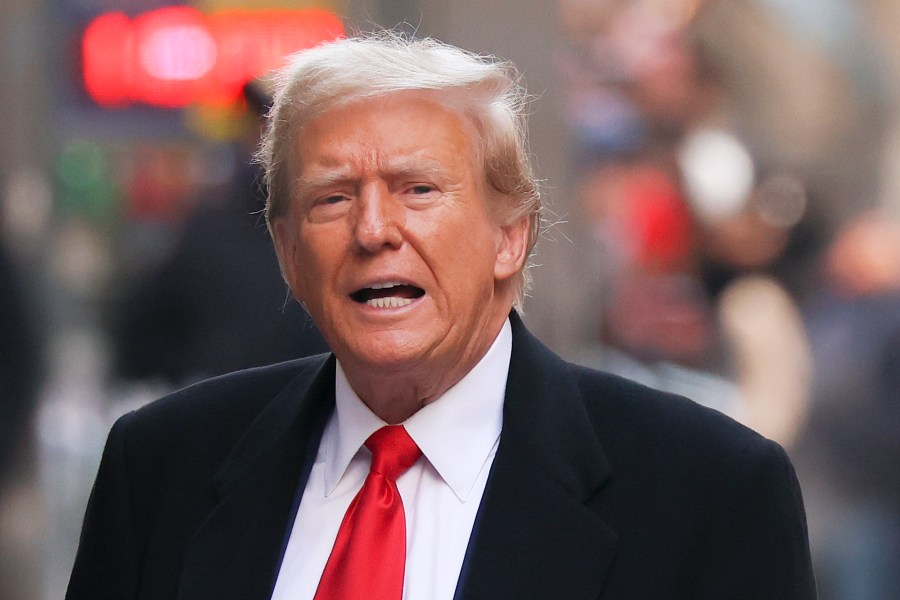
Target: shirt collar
<point x="456" y="433"/>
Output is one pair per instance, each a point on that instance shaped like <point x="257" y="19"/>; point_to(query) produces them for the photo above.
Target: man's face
<point x="390" y="241"/>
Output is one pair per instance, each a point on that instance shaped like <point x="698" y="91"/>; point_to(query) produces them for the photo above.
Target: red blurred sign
<point x="177" y="55"/>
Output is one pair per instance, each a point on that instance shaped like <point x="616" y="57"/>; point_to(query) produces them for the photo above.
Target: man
<point x="403" y="211"/>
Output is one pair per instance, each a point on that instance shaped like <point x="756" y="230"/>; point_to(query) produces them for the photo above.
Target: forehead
<point x="394" y="131"/>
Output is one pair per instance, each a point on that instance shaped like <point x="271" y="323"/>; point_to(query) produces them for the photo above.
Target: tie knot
<point x="393" y="451"/>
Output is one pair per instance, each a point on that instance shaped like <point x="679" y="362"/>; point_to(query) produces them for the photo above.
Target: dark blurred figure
<point x="19" y="366"/>
<point x="218" y="302"/>
<point x="852" y="446"/>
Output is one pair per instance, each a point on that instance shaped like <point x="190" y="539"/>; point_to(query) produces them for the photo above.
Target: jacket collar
<point x="236" y="552"/>
<point x="534" y="537"/>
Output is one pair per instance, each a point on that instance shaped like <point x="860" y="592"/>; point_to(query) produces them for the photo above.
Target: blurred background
<point x="723" y="178"/>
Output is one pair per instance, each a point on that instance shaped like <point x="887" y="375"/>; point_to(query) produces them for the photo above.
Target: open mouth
<point x="387" y="295"/>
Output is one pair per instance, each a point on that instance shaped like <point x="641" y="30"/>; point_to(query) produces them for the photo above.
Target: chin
<point x="387" y="350"/>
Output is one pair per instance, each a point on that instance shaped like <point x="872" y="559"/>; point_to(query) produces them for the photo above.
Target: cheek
<point x="307" y="276"/>
<point x="473" y="256"/>
<point x="319" y="255"/>
<point x="285" y="245"/>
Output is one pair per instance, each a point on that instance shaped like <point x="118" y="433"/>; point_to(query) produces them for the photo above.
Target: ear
<point x="286" y="249"/>
<point x="512" y="250"/>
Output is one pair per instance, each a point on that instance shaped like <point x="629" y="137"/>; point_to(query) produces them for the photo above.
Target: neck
<point x="396" y="394"/>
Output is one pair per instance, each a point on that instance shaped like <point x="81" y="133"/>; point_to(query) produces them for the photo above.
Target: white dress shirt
<point x="458" y="435"/>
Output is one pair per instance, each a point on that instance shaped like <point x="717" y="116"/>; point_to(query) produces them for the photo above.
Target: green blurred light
<point x="85" y="178"/>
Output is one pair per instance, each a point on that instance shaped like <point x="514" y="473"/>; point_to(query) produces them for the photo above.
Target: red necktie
<point x="369" y="554"/>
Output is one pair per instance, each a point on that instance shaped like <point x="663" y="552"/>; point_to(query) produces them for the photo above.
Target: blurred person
<point x="746" y="251"/>
<point x="217" y="302"/>
<point x="635" y="75"/>
<point x="21" y="370"/>
<point x="690" y="304"/>
<point x="642" y="81"/>
<point x="657" y="323"/>
<point x="19" y="365"/>
<point x="637" y="81"/>
<point x="403" y="211"/>
<point x="850" y="453"/>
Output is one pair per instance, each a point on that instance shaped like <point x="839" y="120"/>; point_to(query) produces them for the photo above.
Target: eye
<point x="333" y="199"/>
<point x="421" y="189"/>
<point x="328" y="206"/>
<point x="420" y="195"/>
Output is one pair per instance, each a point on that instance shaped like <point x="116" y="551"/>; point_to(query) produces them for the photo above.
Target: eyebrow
<point x="341" y="173"/>
<point x="325" y="178"/>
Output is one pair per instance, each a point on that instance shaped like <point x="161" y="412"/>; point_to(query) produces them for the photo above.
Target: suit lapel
<point x="534" y="537"/>
<point x="236" y="552"/>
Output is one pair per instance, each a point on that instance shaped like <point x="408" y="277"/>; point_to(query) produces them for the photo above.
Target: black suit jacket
<point x="600" y="489"/>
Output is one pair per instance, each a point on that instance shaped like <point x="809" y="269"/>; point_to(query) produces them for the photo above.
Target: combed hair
<point x="483" y="89"/>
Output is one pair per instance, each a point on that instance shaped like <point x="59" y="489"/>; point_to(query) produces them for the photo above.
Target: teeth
<point x="384" y="286"/>
<point x="389" y="302"/>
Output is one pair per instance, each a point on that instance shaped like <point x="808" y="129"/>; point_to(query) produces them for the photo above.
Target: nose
<point x="376" y="225"/>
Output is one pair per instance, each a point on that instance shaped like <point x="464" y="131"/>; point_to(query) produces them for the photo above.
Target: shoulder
<point x="213" y="413"/>
<point x="708" y="471"/>
<point x="635" y="422"/>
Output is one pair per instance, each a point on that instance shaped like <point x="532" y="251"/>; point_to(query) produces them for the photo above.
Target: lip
<point x="382" y="281"/>
<point x="384" y="302"/>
